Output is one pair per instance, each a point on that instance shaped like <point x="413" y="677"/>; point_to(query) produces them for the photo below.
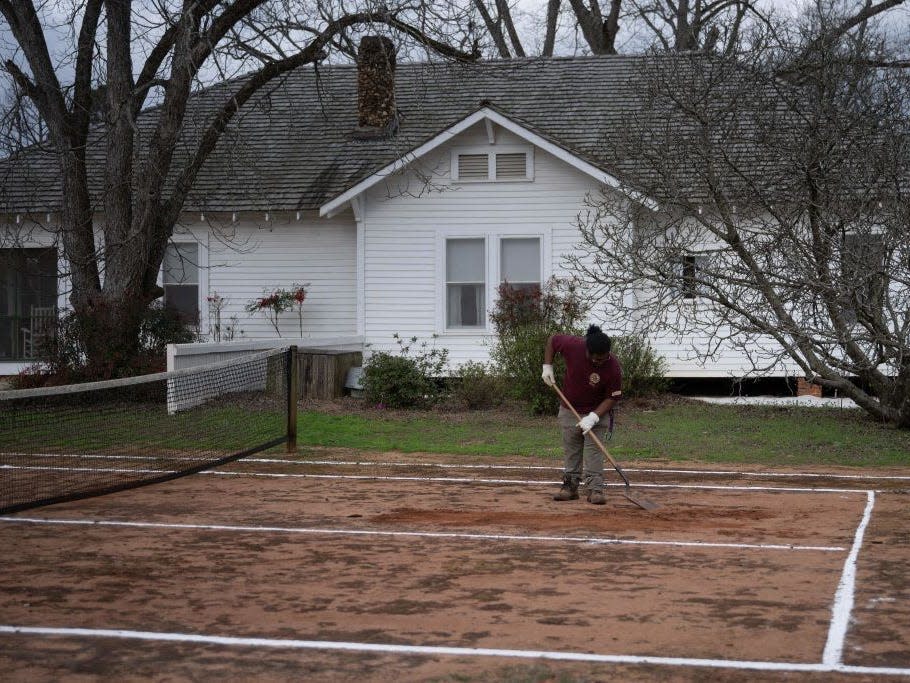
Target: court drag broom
<point x="631" y="495"/>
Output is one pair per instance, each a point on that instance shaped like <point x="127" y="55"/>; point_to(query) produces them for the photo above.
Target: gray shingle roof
<point x="293" y="148"/>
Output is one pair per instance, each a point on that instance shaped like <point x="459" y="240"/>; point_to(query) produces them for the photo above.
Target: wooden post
<point x="293" y="394"/>
<point x="322" y="373"/>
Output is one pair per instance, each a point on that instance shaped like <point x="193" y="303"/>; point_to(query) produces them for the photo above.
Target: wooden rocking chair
<point x="41" y="327"/>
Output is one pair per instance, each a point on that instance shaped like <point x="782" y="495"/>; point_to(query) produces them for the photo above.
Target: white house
<point x="472" y="174"/>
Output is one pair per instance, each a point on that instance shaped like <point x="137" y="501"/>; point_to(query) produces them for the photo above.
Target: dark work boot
<point x="569" y="490"/>
<point x="596" y="497"/>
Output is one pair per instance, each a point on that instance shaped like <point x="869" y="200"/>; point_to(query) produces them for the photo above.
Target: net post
<point x="293" y="395"/>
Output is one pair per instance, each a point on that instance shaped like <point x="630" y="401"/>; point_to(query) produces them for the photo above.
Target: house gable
<point x="489" y="117"/>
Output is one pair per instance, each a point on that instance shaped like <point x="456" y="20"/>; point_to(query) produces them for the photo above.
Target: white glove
<point x="547" y="376"/>
<point x="588" y="421"/>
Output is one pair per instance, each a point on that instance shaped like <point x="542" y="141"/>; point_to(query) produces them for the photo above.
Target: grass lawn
<point x="675" y="431"/>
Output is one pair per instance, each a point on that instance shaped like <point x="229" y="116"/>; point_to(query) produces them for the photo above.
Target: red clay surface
<point x="413" y="561"/>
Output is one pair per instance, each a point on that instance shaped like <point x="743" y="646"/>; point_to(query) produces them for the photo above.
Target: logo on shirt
<point x="594" y="379"/>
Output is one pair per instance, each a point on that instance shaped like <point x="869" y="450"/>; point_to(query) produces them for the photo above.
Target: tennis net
<point x="64" y="443"/>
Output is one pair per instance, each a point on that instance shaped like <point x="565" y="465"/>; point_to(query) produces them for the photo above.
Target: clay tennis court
<point x="345" y="565"/>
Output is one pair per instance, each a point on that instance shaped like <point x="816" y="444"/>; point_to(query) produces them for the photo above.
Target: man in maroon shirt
<point x="593" y="385"/>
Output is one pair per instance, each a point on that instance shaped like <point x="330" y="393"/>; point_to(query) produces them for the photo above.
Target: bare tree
<point x="598" y="27"/>
<point x="777" y="222"/>
<point x="509" y="29"/>
<point x="146" y="183"/>
<point x="497" y="18"/>
<point x="685" y="25"/>
<point x="594" y="26"/>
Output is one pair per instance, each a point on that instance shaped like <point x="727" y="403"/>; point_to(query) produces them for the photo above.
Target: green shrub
<point x="161" y="326"/>
<point x="477" y="387"/>
<point x="643" y="371"/>
<point x="405" y="380"/>
<point x="523" y="320"/>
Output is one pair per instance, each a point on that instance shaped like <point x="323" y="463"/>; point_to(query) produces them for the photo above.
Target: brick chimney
<point x="377" y="116"/>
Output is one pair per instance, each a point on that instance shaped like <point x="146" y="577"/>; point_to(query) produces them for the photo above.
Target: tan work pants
<point x="584" y="461"/>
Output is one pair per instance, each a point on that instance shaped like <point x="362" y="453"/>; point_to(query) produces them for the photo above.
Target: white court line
<point x="843" y="598"/>
<point x="431" y="651"/>
<point x="526" y="482"/>
<point x="417" y="534"/>
<point x="114" y="470"/>
<point x="775" y="475"/>
<point x="455" y="480"/>
<point x="654" y="470"/>
<point x="375" y="463"/>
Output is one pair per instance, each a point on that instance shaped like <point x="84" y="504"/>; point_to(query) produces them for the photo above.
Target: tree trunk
<point x="549" y="42"/>
<point x="109" y="335"/>
<point x="495" y="29"/>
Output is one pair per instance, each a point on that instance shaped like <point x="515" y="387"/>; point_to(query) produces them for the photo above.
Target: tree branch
<point x="147" y="76"/>
<point x="254" y="83"/>
<point x="506" y="15"/>
<point x="494" y="28"/>
<point x="45" y="88"/>
<point x="82" y="82"/>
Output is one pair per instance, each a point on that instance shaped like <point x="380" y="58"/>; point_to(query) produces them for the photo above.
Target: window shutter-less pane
<point x="473" y="167"/>
<point x="512" y="165"/>
<point x="465" y="306"/>
<point x="520" y="260"/>
<point x="185" y="300"/>
<point x="465" y="267"/>
<point x="181" y="264"/>
<point x="689" y="274"/>
<point x="181" y="280"/>
<point x="464" y="260"/>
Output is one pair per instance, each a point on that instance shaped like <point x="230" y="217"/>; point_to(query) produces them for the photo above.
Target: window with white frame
<point x="519" y="263"/>
<point x="514" y="261"/>
<point x="180" y="276"/>
<point x="498" y="165"/>
<point x="689" y="270"/>
<point x="466" y="283"/>
<point x="28" y="301"/>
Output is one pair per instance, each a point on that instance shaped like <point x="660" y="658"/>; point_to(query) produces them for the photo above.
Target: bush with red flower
<point x="272" y="304"/>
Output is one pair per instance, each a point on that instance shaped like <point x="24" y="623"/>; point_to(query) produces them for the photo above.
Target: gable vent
<point x="513" y="165"/>
<point x="473" y="166"/>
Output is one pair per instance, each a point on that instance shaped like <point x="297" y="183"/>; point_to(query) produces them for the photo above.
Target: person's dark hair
<point x="596" y="341"/>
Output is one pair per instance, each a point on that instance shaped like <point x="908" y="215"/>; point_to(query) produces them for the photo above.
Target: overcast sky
<point x="59" y="31"/>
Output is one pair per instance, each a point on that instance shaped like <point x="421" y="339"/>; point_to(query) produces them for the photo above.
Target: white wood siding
<point x="404" y="234"/>
<point x="261" y="255"/>
<point x="405" y="221"/>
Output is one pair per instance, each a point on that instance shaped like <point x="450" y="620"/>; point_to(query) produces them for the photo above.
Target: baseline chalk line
<point x="424" y="650"/>
<point x="418" y="534"/>
<point x="451" y="480"/>
<point x="474" y="466"/>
